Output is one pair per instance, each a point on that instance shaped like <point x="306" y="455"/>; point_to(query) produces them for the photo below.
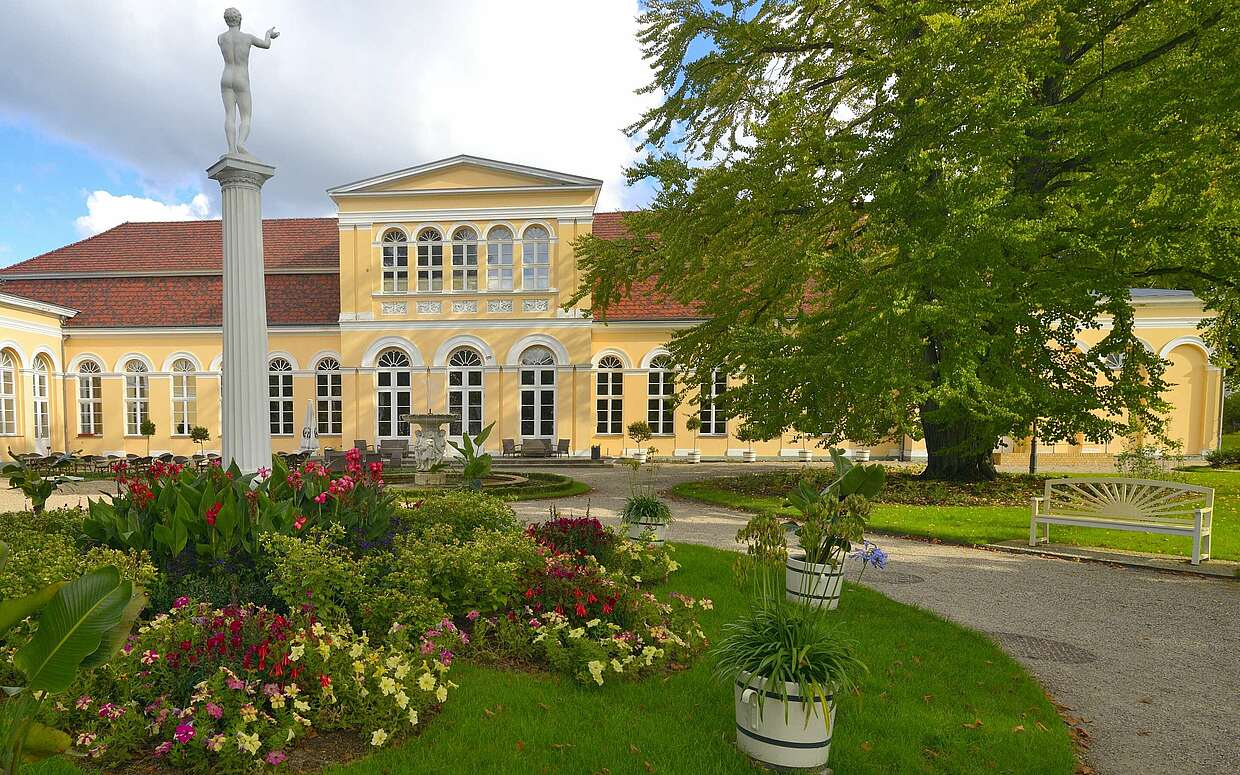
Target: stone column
<point x="245" y="432"/>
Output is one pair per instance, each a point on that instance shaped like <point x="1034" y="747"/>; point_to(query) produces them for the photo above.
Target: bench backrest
<point x="1128" y="499"/>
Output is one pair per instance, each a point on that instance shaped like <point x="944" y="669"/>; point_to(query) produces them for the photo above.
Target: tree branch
<point x="1114" y="25"/>
<point x="1161" y="271"/>
<point x="1144" y="59"/>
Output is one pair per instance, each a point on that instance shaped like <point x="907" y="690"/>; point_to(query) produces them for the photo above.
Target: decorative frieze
<point x="394" y="308"/>
<point x="465" y="306"/>
<point x="429" y="307"/>
<point x="503" y="305"/>
<point x="536" y="305"/>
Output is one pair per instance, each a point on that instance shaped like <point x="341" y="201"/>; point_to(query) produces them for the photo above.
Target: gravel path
<point x="1150" y="662"/>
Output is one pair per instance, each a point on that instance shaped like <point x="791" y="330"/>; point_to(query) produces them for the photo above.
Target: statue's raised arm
<point x="235" y="82"/>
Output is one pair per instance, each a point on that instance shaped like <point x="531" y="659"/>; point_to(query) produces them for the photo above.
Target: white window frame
<point x="8" y="393"/>
<point x="714" y="421"/>
<point x="660" y="397"/>
<point x="328" y="397"/>
<point x="499" y="258"/>
<point x="466" y="390"/>
<point x="609" y="397"/>
<point x="393" y="367"/>
<point x="40" y="393"/>
<point x="464" y="259"/>
<point x="90" y="398"/>
<point x="184" y="396"/>
<point x="536" y="259"/>
<point x="430" y="260"/>
<point x="537" y="391"/>
<point x="280" y="408"/>
<point x="395" y="249"/>
<point x="137" y="396"/>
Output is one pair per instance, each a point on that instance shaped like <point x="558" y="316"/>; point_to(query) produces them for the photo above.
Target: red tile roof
<point x="288" y="243"/>
<point x="193" y="300"/>
<point x="64" y="276"/>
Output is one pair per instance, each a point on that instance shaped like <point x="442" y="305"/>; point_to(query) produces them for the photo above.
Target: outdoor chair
<point x="510" y="448"/>
<point x="394" y="451"/>
<point x="561" y="448"/>
<point x="536" y="448"/>
<point x="360" y="444"/>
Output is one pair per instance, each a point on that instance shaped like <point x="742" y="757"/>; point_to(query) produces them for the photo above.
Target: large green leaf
<point x="13" y="611"/>
<point x="43" y="741"/>
<point x="114" y="638"/>
<point x="71" y="628"/>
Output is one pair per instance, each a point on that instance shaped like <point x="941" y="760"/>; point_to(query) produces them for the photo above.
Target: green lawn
<point x="1231" y="440"/>
<point x="928" y="685"/>
<point x="988" y="524"/>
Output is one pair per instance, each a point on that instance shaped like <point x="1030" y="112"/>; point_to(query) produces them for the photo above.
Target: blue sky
<point x="122" y="118"/>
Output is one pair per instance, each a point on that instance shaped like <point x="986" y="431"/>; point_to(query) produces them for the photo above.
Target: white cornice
<point x="325" y="328"/>
<point x="465" y="324"/>
<point x="369" y="217"/>
<point x="37" y="306"/>
<point x="1190" y="321"/>
<point x="474" y="190"/>
<point x="9" y="324"/>
<point x="477" y="161"/>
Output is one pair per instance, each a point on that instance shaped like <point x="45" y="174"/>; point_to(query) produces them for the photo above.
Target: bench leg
<point x="1196" y="548"/>
<point x="1033" y="530"/>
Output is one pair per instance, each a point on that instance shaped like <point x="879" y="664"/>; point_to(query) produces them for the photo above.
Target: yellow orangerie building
<point x="435" y="288"/>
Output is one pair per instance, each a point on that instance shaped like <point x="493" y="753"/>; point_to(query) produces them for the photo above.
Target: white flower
<point x="402" y="699"/>
<point x="596" y="670"/>
<point x="296" y="652"/>
<point x="615" y="665"/>
<point x="378" y="737"/>
<point x="441" y="694"/>
<point x="426" y="682"/>
<point x="413" y="717"/>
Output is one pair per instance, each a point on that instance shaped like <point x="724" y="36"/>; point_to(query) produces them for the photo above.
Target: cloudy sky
<point x="111" y="110"/>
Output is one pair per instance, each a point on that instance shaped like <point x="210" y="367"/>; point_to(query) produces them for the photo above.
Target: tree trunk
<point x="1033" y="448"/>
<point x="957" y="452"/>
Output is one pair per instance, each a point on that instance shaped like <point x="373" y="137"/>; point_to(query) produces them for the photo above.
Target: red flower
<point x="581" y="610"/>
<point x="214" y="512"/>
<point x="300" y="522"/>
<point x="325" y="680"/>
<point x="606" y="608"/>
<point x="591" y="598"/>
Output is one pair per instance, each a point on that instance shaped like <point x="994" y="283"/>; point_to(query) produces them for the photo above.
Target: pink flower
<point x="110" y="711"/>
<point x="300" y="522"/>
<point x="150" y="657"/>
<point x="180" y="602"/>
<point x="263" y="473"/>
<point x="184" y="733"/>
<point x="445" y="656"/>
<point x="214" y="711"/>
<point x="472" y="616"/>
<point x="234" y="683"/>
<point x="163" y="748"/>
<point x="276" y="757"/>
<point x="83" y="702"/>
<point x="85" y="739"/>
<point x="321" y="498"/>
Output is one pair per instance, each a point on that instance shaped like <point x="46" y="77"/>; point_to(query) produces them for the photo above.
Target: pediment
<point x="464" y="173"/>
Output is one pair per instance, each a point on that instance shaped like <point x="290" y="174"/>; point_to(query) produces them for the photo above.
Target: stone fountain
<point x="429" y="444"/>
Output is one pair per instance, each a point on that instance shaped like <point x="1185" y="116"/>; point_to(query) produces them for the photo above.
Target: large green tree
<point x="897" y="216"/>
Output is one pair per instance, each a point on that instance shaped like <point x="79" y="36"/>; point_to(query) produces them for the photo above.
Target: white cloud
<point x="346" y="92"/>
<point x="105" y="210"/>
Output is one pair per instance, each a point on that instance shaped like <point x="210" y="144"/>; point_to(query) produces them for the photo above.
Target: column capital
<point x="239" y="170"/>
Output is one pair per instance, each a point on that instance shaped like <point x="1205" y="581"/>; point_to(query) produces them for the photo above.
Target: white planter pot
<point x="818" y="586"/>
<point x="640" y="456"/>
<point x="636" y="530"/>
<point x="749" y="456"/>
<point x="861" y="455"/>
<point x="769" y="735"/>
<point x="805" y="455"/>
<point x="694" y="456"/>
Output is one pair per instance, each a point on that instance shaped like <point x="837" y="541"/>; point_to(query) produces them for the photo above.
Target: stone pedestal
<point x="245" y="432"/>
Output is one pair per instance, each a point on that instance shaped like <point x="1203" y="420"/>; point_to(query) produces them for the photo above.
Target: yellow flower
<point x="401" y="671"/>
<point x="248" y="712"/>
<point x="672" y="566"/>
<point x="292" y="690"/>
<point x="379" y="737"/>
<point x="402" y="699"/>
<point x="359" y="667"/>
<point x="318" y="629"/>
<point x="325" y="651"/>
<point x="301" y="705"/>
<point x="393" y="661"/>
<point x="594" y="622"/>
<point x="277" y="700"/>
<point x="441" y="694"/>
<point x="413" y="717"/>
<point x="577" y="632"/>
<point x="248" y="743"/>
<point x="296" y="652"/>
<point x="615" y="665"/>
<point x="356" y="651"/>
<point x="596" y="670"/>
<point x="426" y="682"/>
<point x="387" y="685"/>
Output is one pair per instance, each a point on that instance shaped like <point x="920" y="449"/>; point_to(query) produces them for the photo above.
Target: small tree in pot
<point x="200" y="436"/>
<point x="147" y="429"/>
<point x="640" y="433"/>
<point x="694" y="424"/>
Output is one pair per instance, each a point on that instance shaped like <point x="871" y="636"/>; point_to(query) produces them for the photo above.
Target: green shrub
<point x="464" y="511"/>
<point x="482" y="573"/>
<point x="37" y="559"/>
<point x="642" y="562"/>
<point x="1221" y="458"/>
<point x="315" y="571"/>
<point x="231" y="583"/>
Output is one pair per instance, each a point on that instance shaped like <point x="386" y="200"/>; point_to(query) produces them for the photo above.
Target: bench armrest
<point x="1206" y="509"/>
<point x="1036" y="503"/>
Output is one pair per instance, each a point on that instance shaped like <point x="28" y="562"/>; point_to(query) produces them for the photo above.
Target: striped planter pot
<point x="814" y="585"/>
<point x="805" y="455"/>
<point x="769" y="735"/>
<point x="749" y="456"/>
<point x="637" y="529"/>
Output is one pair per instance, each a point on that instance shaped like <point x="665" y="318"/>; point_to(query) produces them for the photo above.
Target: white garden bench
<point x="1143" y="505"/>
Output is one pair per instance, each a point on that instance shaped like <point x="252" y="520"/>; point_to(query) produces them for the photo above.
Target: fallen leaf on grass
<point x="544" y="706"/>
<point x="976" y="723"/>
<point x="927" y="698"/>
<point x="489" y="713"/>
<point x="634" y="749"/>
<point x="865" y="746"/>
<point x="649" y="767"/>
<point x="520" y="746"/>
<point x="1018" y="728"/>
<point x="933" y="754"/>
<point x="1040" y="726"/>
<point x="561" y="746"/>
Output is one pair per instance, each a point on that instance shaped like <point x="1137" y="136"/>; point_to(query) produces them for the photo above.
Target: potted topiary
<point x="694" y="424"/>
<point x="640" y="433"/>
<point x="147" y="429"/>
<point x="785" y="664"/>
<point x="748" y="455"/>
<point x="830" y="522"/>
<point x="200" y="436"/>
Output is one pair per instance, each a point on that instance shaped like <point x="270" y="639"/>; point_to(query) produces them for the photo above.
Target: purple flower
<point x="472" y="615"/>
<point x="869" y="555"/>
<point x="180" y="602"/>
<point x="276" y="757"/>
<point x="184" y="733"/>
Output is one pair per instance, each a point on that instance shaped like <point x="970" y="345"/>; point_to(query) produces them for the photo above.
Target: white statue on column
<point x="235" y="82"/>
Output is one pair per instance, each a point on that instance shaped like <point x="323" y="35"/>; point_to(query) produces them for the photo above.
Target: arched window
<point x="499" y="259"/>
<point x="660" y="397"/>
<point x="280" y="396"/>
<point x="137" y="397"/>
<point x="90" y="398"/>
<point x="465" y="391"/>
<point x="184" y="396"/>
<point x="609" y="406"/>
<point x="395" y="396"/>
<point x="329" y="397"/>
<point x="40" y="392"/>
<point x="714" y="421"/>
<point x="430" y="260"/>
<point x="538" y="393"/>
<point x="8" y="394"/>
<point x="464" y="259"/>
<point x="395" y="262"/>
<point x="536" y="259"/>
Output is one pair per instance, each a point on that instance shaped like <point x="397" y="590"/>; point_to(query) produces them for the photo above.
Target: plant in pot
<point x="33" y="483"/>
<point x="640" y="433"/>
<point x="477" y="464"/>
<point x="749" y="455"/>
<point x="785" y="663"/>
<point x="147" y="429"/>
<point x="645" y="515"/>
<point x="694" y="424"/>
<point x="200" y="436"/>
